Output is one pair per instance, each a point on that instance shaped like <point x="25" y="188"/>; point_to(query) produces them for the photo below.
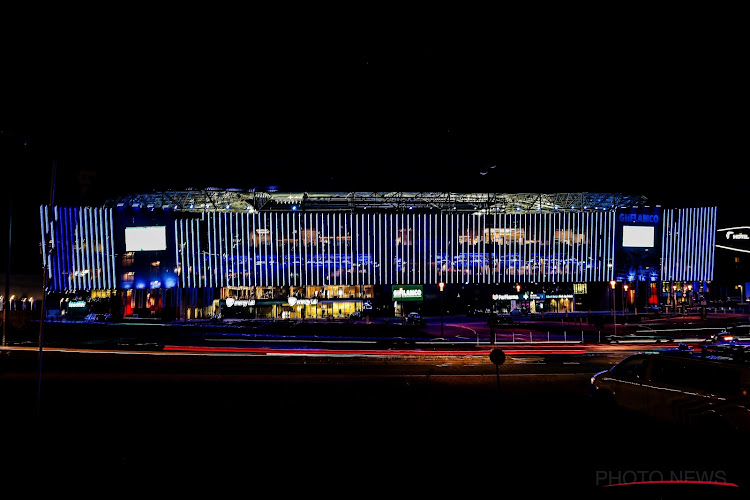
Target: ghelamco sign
<point x="736" y="239"/>
<point x="404" y="293"/>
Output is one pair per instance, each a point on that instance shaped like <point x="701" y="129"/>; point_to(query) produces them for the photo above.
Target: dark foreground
<point x="229" y="426"/>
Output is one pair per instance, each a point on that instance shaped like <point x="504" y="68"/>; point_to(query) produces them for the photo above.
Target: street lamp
<point x="624" y="292"/>
<point x="614" y="317"/>
<point x="441" y="286"/>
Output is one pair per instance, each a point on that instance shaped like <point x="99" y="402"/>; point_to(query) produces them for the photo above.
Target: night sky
<point x="638" y="111"/>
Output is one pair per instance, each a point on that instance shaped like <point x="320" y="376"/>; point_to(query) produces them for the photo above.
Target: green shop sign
<point x="405" y="293"/>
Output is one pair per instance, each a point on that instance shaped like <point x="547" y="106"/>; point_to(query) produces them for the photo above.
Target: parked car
<point x="707" y="389"/>
<point x="97" y="317"/>
<point x="414" y="318"/>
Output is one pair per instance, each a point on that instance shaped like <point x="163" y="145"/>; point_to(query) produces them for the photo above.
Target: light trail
<point x="368" y="352"/>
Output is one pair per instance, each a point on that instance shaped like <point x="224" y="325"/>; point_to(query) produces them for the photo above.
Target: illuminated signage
<point x="504" y="296"/>
<point x="533" y="296"/>
<point x="146" y="238"/>
<point x="232" y="302"/>
<point x="731" y="235"/>
<point x="405" y="293"/>
<point x="735" y="239"/>
<point x="294" y="301"/>
<point x="638" y="236"/>
<point x="76" y="304"/>
<point x="635" y="218"/>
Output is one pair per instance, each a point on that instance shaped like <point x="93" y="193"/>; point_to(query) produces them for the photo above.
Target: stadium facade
<point x="197" y="253"/>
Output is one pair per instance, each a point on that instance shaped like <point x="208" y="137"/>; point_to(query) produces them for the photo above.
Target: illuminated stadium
<point x="258" y="254"/>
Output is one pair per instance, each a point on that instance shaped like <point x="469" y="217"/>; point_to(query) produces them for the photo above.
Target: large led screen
<point x="145" y="238"/>
<point x="638" y="236"/>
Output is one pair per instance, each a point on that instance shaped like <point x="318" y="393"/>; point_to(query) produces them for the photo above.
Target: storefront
<point x="533" y="302"/>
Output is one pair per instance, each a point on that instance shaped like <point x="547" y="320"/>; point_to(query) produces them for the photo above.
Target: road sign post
<point x="497" y="356"/>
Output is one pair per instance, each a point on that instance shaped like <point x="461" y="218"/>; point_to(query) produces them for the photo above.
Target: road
<point x="341" y="424"/>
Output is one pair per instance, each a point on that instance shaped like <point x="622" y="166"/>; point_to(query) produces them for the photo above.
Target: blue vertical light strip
<point x="253" y="251"/>
<point x="392" y="248"/>
<point x="471" y="253"/>
<point x="185" y="251"/>
<point x="70" y="244"/>
<point x="584" y="231"/>
<point x="211" y="244"/>
<point x="218" y="264"/>
<point x="80" y="262"/>
<point x="279" y="250"/>
<point x="264" y="278"/>
<point x="378" y="244"/>
<point x="326" y="221"/>
<point x="198" y="263"/>
<point x="59" y="255"/>
<point x="214" y="249"/>
<point x="83" y="248"/>
<point x="95" y="253"/>
<point x="59" y="261"/>
<point x="700" y="223"/>
<point x="370" y="231"/>
<point x="207" y="261"/>
<point x="73" y="242"/>
<point x="44" y="231"/>
<point x="665" y="245"/>
<point x="201" y="279"/>
<point x="86" y="217"/>
<point x="93" y="243"/>
<point x="105" y="247"/>
<point x="102" y="272"/>
<point x="691" y="244"/>
<point x="611" y="239"/>
<point x="178" y="249"/>
<point x="218" y="267"/>
<point x="289" y="247"/>
<point x="337" y="258"/>
<point x="712" y="244"/>
<point x="226" y="236"/>
<point x="356" y="248"/>
<point x="426" y="247"/>
<point x="304" y="250"/>
<point x="601" y="217"/>
<point x="267" y="278"/>
<point x="386" y="243"/>
<point x="231" y="218"/>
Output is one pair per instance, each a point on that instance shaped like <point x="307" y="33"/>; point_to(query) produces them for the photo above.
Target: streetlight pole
<point x="7" y="273"/>
<point x="614" y="316"/>
<point x="442" y="301"/>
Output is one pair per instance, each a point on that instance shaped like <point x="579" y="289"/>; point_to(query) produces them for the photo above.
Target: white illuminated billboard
<point x="145" y="238"/>
<point x="638" y="236"/>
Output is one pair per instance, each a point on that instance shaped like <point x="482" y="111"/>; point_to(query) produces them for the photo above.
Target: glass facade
<point x="329" y="257"/>
<point x="222" y="249"/>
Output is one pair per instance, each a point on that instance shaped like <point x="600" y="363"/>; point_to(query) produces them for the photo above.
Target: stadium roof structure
<point x="237" y="200"/>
